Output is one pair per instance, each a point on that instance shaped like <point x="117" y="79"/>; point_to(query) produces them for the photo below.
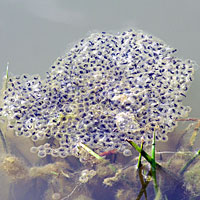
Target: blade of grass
<point x="185" y="167"/>
<point x="91" y="152"/>
<point x="143" y="153"/>
<point x="96" y="155"/>
<point x="140" y="155"/>
<point x="153" y="165"/>
<point x="149" y="159"/>
<point x="144" y="186"/>
<point x="142" y="182"/>
<point x="158" y="195"/>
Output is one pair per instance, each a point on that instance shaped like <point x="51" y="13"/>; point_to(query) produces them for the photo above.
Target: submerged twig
<point x="194" y="134"/>
<point x="188" y="119"/>
<point x="3" y="141"/>
<point x="64" y="198"/>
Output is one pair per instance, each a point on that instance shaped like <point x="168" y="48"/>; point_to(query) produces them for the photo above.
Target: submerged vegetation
<point x="112" y="177"/>
<point x="80" y="126"/>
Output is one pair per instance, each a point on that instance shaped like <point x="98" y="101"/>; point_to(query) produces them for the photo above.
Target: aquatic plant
<point x="13" y="167"/>
<point x="106" y="89"/>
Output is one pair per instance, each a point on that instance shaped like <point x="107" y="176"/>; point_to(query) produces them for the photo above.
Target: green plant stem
<point x="149" y="159"/>
<point x="143" y="153"/>
<point x="96" y="155"/>
<point x="143" y="190"/>
<point x="144" y="186"/>
<point x="185" y="167"/>
<point x="153" y="165"/>
<point x="91" y="152"/>
<point x="140" y="155"/>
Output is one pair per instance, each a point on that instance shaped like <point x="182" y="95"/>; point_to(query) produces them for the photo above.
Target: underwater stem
<point x="185" y="167"/>
<point x="153" y="165"/>
<point x="144" y="186"/>
<point x="91" y="152"/>
<point x="3" y="141"/>
<point x="96" y="155"/>
<point x="140" y="155"/>
<point x="143" y="153"/>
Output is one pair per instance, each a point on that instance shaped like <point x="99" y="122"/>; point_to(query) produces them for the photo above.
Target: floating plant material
<point x="106" y="89"/>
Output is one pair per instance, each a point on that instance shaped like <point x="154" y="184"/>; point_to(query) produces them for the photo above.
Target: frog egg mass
<point x="106" y="89"/>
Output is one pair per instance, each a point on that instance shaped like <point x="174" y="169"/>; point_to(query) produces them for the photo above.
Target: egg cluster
<point x="106" y="89"/>
<point x="86" y="175"/>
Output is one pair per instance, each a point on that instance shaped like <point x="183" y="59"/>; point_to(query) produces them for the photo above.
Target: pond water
<point x="32" y="35"/>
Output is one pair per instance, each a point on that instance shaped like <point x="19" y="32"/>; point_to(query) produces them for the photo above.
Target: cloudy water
<point x="87" y="78"/>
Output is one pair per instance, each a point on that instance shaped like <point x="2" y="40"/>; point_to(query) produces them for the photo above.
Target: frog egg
<point x="92" y="173"/>
<point x="127" y="152"/>
<point x="41" y="154"/>
<point x="56" y="196"/>
<point x="54" y="153"/>
<point x="34" y="149"/>
<point x="83" y="179"/>
<point x="83" y="160"/>
<point x="63" y="154"/>
<point x="48" y="150"/>
<point x="41" y="148"/>
<point x="84" y="172"/>
<point x="34" y="138"/>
